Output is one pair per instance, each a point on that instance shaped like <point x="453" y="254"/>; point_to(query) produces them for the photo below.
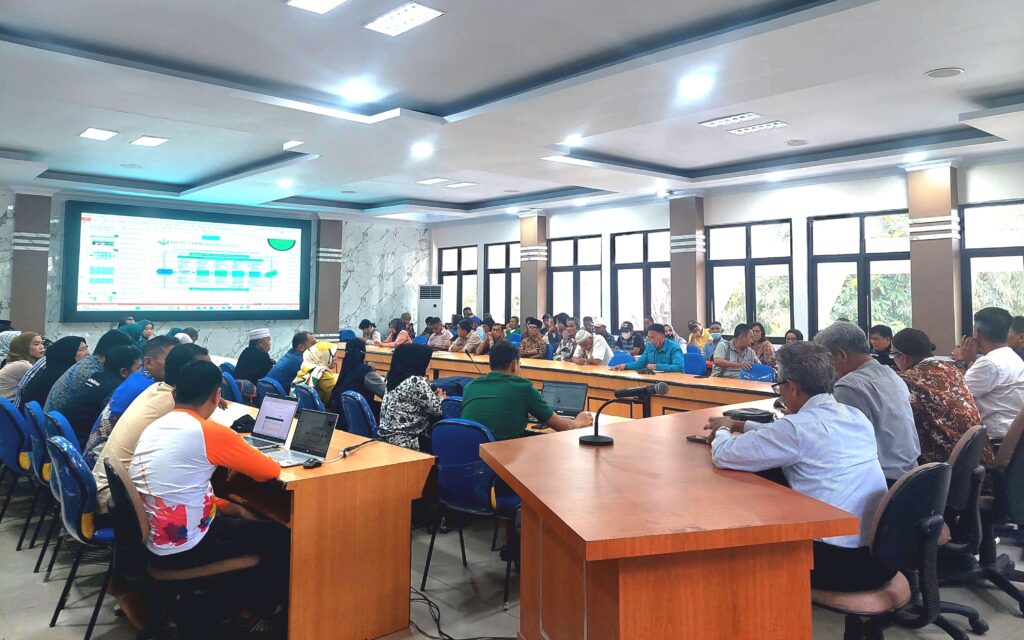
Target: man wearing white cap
<point x="255" y="362"/>
<point x="591" y="349"/>
<point x="601" y="329"/>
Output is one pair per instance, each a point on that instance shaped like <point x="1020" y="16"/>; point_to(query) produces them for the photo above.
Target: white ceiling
<point x="494" y="86"/>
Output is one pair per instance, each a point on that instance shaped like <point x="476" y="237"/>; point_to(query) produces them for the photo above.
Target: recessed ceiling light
<point x="695" y="86"/>
<point x="421" y="150"/>
<point x="762" y="126"/>
<point x="459" y="185"/>
<point x="359" y="90"/>
<point x="796" y="143"/>
<point x="944" y="72"/>
<point x="579" y="202"/>
<point x="728" y="120"/>
<point x="432" y="181"/>
<point x="149" y="141"/>
<point x="131" y="165"/>
<point x="286" y="183"/>
<point x="291" y="144"/>
<point x="916" y="156"/>
<point x="316" y="6"/>
<point x="408" y="16"/>
<point x="573" y="140"/>
<point x="97" y="134"/>
<point x="511" y="190"/>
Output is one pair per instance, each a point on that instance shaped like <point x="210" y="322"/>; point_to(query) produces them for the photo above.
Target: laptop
<point x="312" y="439"/>
<point x="273" y="422"/>
<point x="566" y="398"/>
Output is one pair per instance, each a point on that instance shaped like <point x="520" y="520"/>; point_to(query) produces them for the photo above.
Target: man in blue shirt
<point x="288" y="366"/>
<point x="661" y="354"/>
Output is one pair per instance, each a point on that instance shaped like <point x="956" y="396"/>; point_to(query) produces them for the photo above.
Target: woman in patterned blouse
<point x="410" y="406"/>
<point x="943" y="406"/>
<point x="761" y="345"/>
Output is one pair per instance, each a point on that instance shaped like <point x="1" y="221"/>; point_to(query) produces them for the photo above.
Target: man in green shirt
<point x="503" y="401"/>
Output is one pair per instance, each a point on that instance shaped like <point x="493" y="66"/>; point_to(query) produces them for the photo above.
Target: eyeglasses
<point x="777" y="387"/>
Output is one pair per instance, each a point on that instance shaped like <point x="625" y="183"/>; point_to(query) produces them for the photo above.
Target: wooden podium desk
<point x="350" y="523"/>
<point x="686" y="392"/>
<point x="647" y="539"/>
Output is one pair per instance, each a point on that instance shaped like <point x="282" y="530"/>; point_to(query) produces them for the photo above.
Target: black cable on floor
<point x="435" y="615"/>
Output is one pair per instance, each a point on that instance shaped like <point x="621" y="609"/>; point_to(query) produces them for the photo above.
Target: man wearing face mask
<point x="716" y="336"/>
<point x="629" y="341"/>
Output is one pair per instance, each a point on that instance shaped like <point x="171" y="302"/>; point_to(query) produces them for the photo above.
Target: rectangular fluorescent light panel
<point x="728" y="120"/>
<point x="291" y="144"/>
<point x="316" y="6"/>
<point x="754" y="128"/>
<point x="97" y="134"/>
<point x="149" y="141"/>
<point x="430" y="181"/>
<point x="408" y="16"/>
<point x="460" y="185"/>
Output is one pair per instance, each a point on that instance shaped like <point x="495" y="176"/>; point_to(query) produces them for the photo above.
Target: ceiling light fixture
<point x="775" y="176"/>
<point x="944" y="72"/>
<point x="316" y="6"/>
<point x="579" y="202"/>
<point x="695" y="86"/>
<point x="286" y="183"/>
<point x="916" y="156"/>
<point x="762" y="126"/>
<point x="360" y="91"/>
<point x="573" y="140"/>
<point x="511" y="190"/>
<point x="728" y="120"/>
<point x="796" y="143"/>
<point x="512" y="210"/>
<point x="459" y="185"/>
<point x="430" y="181"/>
<point x="291" y="144"/>
<point x="149" y="141"/>
<point x="421" y="150"/>
<point x="97" y="134"/>
<point x="408" y="16"/>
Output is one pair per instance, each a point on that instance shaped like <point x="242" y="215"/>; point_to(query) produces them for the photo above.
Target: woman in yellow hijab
<point x="317" y="370"/>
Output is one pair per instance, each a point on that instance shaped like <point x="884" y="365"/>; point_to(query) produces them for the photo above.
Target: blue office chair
<point x="227" y="367"/>
<point x="694" y="363"/>
<point x="346" y="334"/>
<point x="229" y="387"/>
<point x="78" y="508"/>
<point x="420" y="340"/>
<point x="359" y="418"/>
<point x="451" y="407"/>
<point x="15" y="450"/>
<point x="308" y="398"/>
<point x="268" y="385"/>
<point x="692" y="348"/>
<point x="620" y="357"/>
<point x="550" y="353"/>
<point x="57" y="425"/>
<point x="465" y="484"/>
<point x="35" y="423"/>
<point x="516" y="339"/>
<point x="759" y="372"/>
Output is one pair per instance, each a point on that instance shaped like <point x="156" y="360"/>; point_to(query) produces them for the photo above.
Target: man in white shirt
<point x="591" y="349"/>
<point x="995" y="378"/>
<point x="826" y="450"/>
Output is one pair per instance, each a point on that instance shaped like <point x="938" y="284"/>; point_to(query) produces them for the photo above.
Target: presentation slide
<point x="164" y="267"/>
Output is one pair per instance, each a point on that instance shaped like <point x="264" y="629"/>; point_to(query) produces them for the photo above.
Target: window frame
<point x="645" y="265"/>
<point x="507" y="271"/>
<point x="575" y="269"/>
<point x="459" y="273"/>
<point x="967" y="254"/>
<point x="863" y="260"/>
<point x="750" y="265"/>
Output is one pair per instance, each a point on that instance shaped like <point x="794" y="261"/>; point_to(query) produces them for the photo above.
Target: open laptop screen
<point x="313" y="432"/>
<point x="274" y="420"/>
<point x="566" y="398"/>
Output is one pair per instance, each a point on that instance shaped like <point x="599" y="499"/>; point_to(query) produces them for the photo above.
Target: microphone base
<point x="596" y="441"/>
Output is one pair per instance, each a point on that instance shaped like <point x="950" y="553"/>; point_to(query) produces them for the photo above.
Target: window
<point x="860" y="270"/>
<point x="750" y="275"/>
<point x="641" y="278"/>
<point x="992" y="259"/>
<point x="457" y="272"/>
<point x="501" y="283"/>
<point x="574" y="276"/>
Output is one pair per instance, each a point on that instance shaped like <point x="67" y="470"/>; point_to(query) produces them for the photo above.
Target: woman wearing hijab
<point x="358" y="376"/>
<point x="410" y="406"/>
<point x="398" y="336"/>
<point x="317" y="370"/>
<point x="140" y="332"/>
<point x="24" y="351"/>
<point x="45" y="372"/>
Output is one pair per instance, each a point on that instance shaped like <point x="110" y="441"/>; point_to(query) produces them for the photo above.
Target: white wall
<point x="992" y="183"/>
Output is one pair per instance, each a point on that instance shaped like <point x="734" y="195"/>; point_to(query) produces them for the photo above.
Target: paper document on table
<point x="227" y="416"/>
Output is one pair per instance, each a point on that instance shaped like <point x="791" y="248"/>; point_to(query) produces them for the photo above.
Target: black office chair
<point x="904" y="536"/>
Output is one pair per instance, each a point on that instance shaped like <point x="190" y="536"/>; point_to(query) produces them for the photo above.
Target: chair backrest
<point x="58" y="425"/>
<point x="464" y="481"/>
<point x="308" y="398"/>
<point x="228" y="367"/>
<point x="14" y="442"/>
<point x="620" y="357"/>
<point x="35" y="421"/>
<point x="451" y="407"/>
<point x="694" y="363"/>
<point x="359" y="418"/>
<point x="550" y="353"/>
<point x="77" y="488"/>
<point x="516" y="339"/>
<point x="420" y="340"/>
<point x="346" y="334"/>
<point x="965" y="462"/>
<point x="131" y="525"/>
<point x="229" y="387"/>
<point x="692" y="348"/>
<point x="268" y="385"/>
<point x="896" y="540"/>
<point x="759" y="372"/>
<point x="1009" y="471"/>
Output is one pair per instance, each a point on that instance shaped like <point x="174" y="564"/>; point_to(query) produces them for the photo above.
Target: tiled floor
<point x="469" y="598"/>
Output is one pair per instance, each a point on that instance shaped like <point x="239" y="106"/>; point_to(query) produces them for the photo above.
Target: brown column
<point x="686" y="228"/>
<point x="327" y="303"/>
<point x="935" y="253"/>
<point x="29" y="267"/>
<point x="533" y="268"/>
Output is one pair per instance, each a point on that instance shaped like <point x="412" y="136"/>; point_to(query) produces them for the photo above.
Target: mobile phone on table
<point x="700" y="439"/>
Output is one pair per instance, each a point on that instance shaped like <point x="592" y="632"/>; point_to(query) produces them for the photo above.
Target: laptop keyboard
<point x="260" y="442"/>
<point x="289" y="457"/>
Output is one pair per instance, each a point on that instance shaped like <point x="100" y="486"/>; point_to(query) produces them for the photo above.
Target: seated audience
<point x="566" y="346"/>
<point x="794" y="335"/>
<point x="1015" y="339"/>
<point x="468" y="340"/>
<point x="288" y="366"/>
<point x="533" y="344"/>
<point x="660" y="354"/>
<point x="318" y="370"/>
<point x="60" y="357"/>
<point x="827" y="451"/>
<point x="190" y="526"/>
<point x="86" y="404"/>
<point x="407" y="321"/>
<point x="733" y="356"/>
<point x="588" y="323"/>
<point x="255" y="362"/>
<point x="439" y="339"/>
<point x="881" y="345"/>
<point x="398" y="334"/>
<point x="548" y="324"/>
<point x="503" y="401"/>
<point x="762" y="347"/>
<point x="156" y="401"/>
<point x="370" y="333"/>
<point x="73" y="379"/>
<point x="5" y="343"/>
<point x="478" y="327"/>
<point x="632" y="343"/>
<point x="944" y="409"/>
<point x="878" y="392"/>
<point x="995" y="375"/>
<point x="411" y="406"/>
<point x="125" y="321"/>
<point x="601" y="329"/>
<point x="495" y="334"/>
<point x="183" y="338"/>
<point x="699" y="336"/>
<point x="356" y="375"/>
<point x="140" y="332"/>
<point x="192" y="333"/>
<point x="513" y="327"/>
<point x="590" y="349"/>
<point x="716" y="338"/>
<point x="467" y="312"/>
<point x="648" y="321"/>
<point x="671" y="334"/>
<point x="23" y="352"/>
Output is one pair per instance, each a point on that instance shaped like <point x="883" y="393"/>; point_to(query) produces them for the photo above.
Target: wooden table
<point x="647" y="539"/>
<point x="686" y="392"/>
<point x="350" y="523"/>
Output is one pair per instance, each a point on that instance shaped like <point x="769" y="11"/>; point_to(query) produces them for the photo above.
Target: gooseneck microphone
<point x="656" y="389"/>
